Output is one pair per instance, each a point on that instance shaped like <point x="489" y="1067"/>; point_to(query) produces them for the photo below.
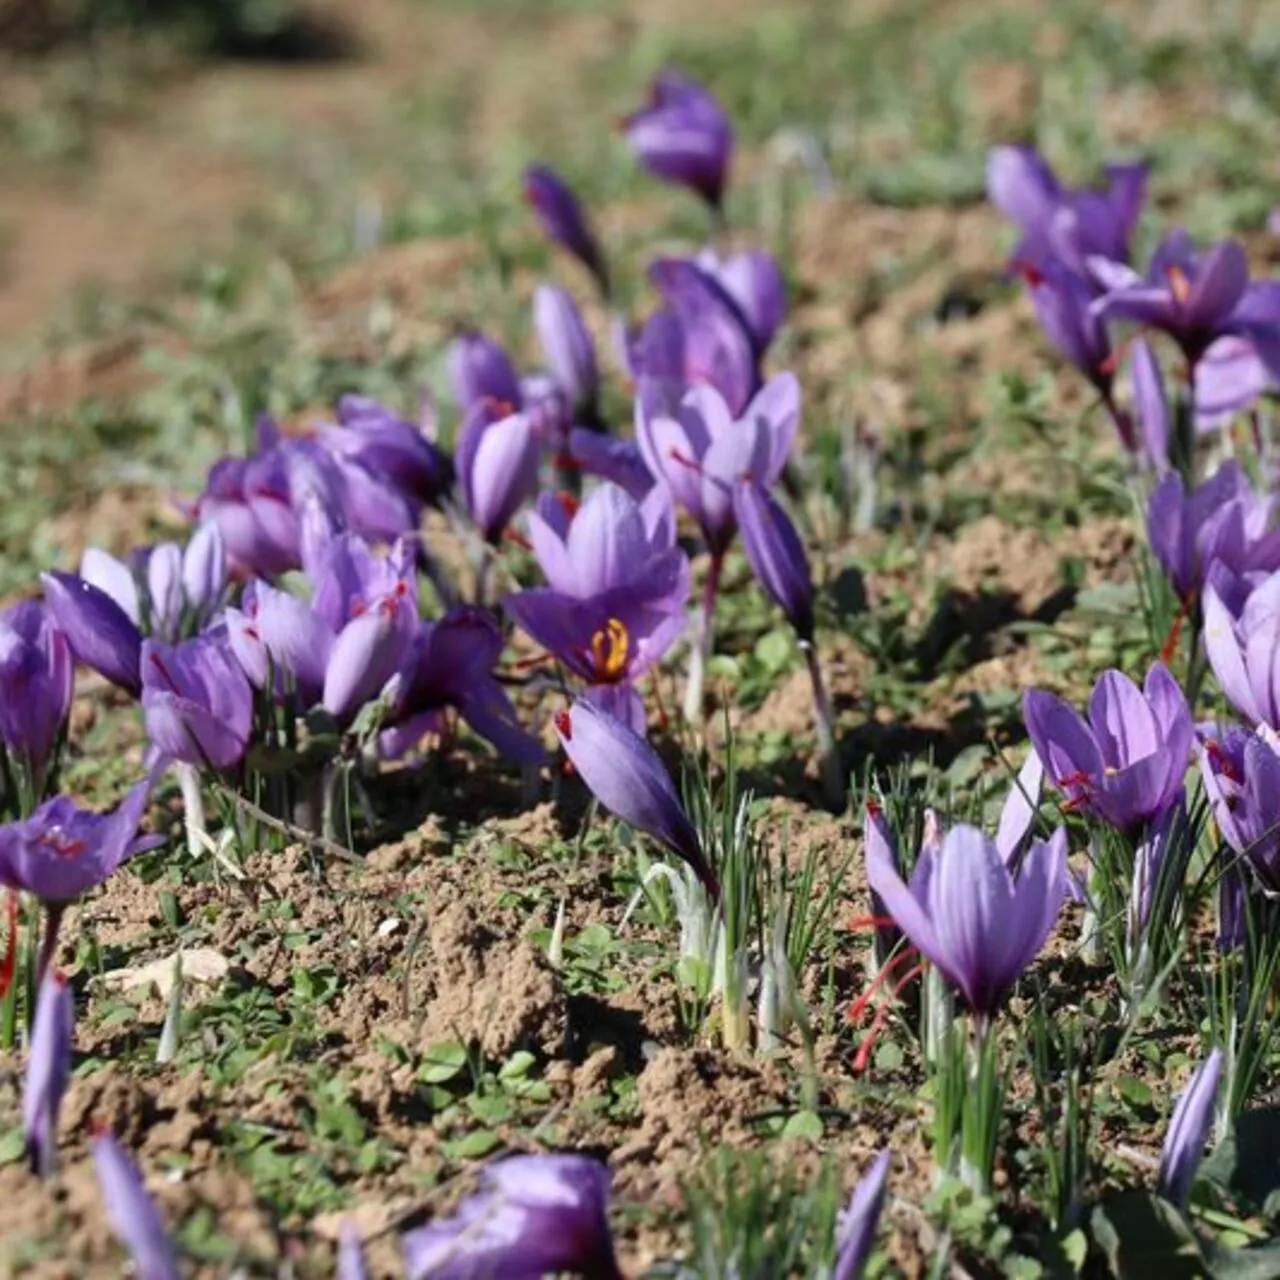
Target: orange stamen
<point x="1179" y="285"/>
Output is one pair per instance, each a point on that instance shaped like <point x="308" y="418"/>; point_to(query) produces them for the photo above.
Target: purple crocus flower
<point x="1126" y="764"/>
<point x="1241" y="773"/>
<point x="481" y="371"/>
<point x="133" y="1214"/>
<point x="683" y="136"/>
<point x="775" y="553"/>
<point x="99" y="632"/>
<point x="370" y="436"/>
<point x="60" y="851"/>
<point x="629" y="779"/>
<point x="753" y="281"/>
<point x="1064" y="305"/>
<point x="1230" y="378"/>
<point x="699" y="337"/>
<point x="451" y="664"/>
<point x="617" y="589"/>
<point x="1188" y="1130"/>
<point x="342" y="648"/>
<point x="568" y="348"/>
<point x="966" y="912"/>
<point x="166" y="588"/>
<point x="1224" y="520"/>
<point x="702" y="452"/>
<point x="1057" y="223"/>
<point x="36" y="679"/>
<point x="1197" y="298"/>
<point x="48" y="1069"/>
<point x="497" y="458"/>
<point x="562" y="218"/>
<point x="856" y="1232"/>
<point x="1242" y="648"/>
<point x="618" y="461"/>
<point x="533" y="1214"/>
<point x="197" y="702"/>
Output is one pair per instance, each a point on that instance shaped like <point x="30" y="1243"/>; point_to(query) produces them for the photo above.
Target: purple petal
<point x="775" y="553"/>
<point x="1188" y="1130"/>
<point x="97" y="629"/>
<point x="48" y="1070"/>
<point x="132" y="1212"/>
<point x="104" y="571"/>
<point x="856" y="1232"/>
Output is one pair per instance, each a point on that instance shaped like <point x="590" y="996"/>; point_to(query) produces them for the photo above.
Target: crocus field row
<point x="308" y="632"/>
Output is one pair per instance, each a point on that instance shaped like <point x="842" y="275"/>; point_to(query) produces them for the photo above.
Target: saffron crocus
<point x="60" y="851"/>
<point x="36" y="678"/>
<point x="1188" y="1129"/>
<point x="629" y="779"/>
<point x="1064" y="305"/>
<point x="753" y="280"/>
<point x="497" y="459"/>
<point x="397" y="453"/>
<point x="1242" y="648"/>
<point x="570" y="353"/>
<point x="1058" y="223"/>
<point x="701" y="336"/>
<point x="967" y="913"/>
<point x="617" y="589"/>
<point x="775" y="553"/>
<point x="451" y="666"/>
<point x="48" y="1069"/>
<point x="338" y="651"/>
<point x="100" y="633"/>
<point x="683" y="136"/>
<point x="561" y="214"/>
<point x="1230" y="378"/>
<point x="1223" y="520"/>
<point x="197" y="702"/>
<point x="1241" y="773"/>
<point x="1125" y="764"/>
<point x="1197" y="298"/>
<point x="856" y="1231"/>
<point x="702" y="452"/>
<point x="133" y="1214"/>
<point x="533" y="1215"/>
<point x="481" y="371"/>
<point x="165" y="590"/>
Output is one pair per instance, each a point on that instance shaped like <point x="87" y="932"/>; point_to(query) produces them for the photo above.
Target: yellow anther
<point x="609" y="647"/>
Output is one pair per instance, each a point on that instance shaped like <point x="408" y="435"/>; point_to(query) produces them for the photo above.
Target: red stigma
<point x="1170" y="646"/>
<point x="568" y="503"/>
<point x="253" y="633"/>
<point x="517" y="539"/>
<point x="158" y="663"/>
<point x="564" y="725"/>
<point x="676" y="456"/>
<point x="9" y="964"/>
<point x="1028" y="271"/>
<point x="1225" y="765"/>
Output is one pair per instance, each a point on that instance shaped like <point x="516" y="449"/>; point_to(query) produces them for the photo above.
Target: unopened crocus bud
<point x="48" y="1069"/>
<point x="568" y="347"/>
<point x="367" y="653"/>
<point x="497" y="460"/>
<point x="481" y="371"/>
<point x="1188" y="1129"/>
<point x="562" y="218"/>
<point x="856" y="1232"/>
<point x="133" y="1214"/>
<point x="36" y="670"/>
<point x="197" y="702"/>
<point x="683" y="136"/>
<point x="775" y="553"/>
<point x="629" y="779"/>
<point x="98" y="630"/>
<point x="164" y="590"/>
<point x="754" y="281"/>
<point x="204" y="569"/>
<point x="1150" y="404"/>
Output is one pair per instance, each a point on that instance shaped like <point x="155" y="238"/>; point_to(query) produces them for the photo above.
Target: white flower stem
<point x="192" y="807"/>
